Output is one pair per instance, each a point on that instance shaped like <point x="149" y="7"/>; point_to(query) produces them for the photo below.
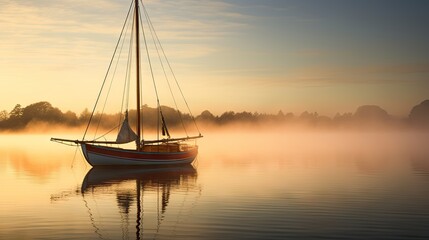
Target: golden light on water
<point x="237" y="170"/>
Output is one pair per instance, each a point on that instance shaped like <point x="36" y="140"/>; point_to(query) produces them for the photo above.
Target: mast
<point x="136" y="5"/>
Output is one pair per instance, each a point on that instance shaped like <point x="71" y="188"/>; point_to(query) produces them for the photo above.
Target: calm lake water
<point x="262" y="184"/>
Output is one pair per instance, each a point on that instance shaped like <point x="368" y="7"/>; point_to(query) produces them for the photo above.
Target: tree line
<point x="364" y="116"/>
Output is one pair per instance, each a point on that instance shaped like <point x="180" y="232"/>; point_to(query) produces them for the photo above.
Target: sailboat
<point x="166" y="150"/>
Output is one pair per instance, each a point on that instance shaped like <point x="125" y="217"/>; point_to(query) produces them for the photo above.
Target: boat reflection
<point x="99" y="177"/>
<point x="151" y="189"/>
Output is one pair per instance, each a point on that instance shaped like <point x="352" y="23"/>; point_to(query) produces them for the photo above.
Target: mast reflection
<point x="153" y="190"/>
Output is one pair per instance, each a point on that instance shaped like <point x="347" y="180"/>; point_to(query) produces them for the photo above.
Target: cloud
<point x="85" y="28"/>
<point x="199" y="22"/>
<point x="324" y="75"/>
<point x="371" y="74"/>
<point x="397" y="69"/>
<point x="35" y="31"/>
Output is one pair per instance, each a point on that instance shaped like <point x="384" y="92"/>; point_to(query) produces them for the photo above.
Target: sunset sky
<point x="240" y="55"/>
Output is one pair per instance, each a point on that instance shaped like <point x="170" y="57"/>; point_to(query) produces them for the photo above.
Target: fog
<point x="244" y="148"/>
<point x="368" y="140"/>
<point x="308" y="140"/>
<point x="42" y="116"/>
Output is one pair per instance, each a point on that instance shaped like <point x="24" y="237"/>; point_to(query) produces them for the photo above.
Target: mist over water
<point x="247" y="182"/>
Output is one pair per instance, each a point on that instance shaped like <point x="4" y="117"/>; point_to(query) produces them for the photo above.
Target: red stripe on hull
<point x="133" y="155"/>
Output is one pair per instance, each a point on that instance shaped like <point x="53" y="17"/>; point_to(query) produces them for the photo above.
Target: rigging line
<point x="74" y="156"/>
<point x="127" y="81"/>
<point x="110" y="86"/>
<point x="152" y="30"/>
<point x="171" y="69"/>
<point x="151" y="70"/>
<point x="91" y="218"/>
<point x="113" y="76"/>
<point x="108" y="69"/>
<point x="157" y="122"/>
<point x="148" y="58"/>
<point x="159" y="219"/>
<point x="127" y="78"/>
<point x="130" y="56"/>
<point x="102" y="136"/>
<point x="181" y="208"/>
<point x="122" y="225"/>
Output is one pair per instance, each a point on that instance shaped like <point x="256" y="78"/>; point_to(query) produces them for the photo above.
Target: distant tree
<point x="324" y="121"/>
<point x="244" y="116"/>
<point x="84" y="116"/>
<point x="70" y="118"/>
<point x="341" y="120"/>
<point x="419" y="114"/>
<point x="206" y="116"/>
<point x="310" y="117"/>
<point x="16" y="112"/>
<point x="173" y="116"/>
<point x="4" y="115"/>
<point x="226" y="117"/>
<point x="371" y="113"/>
<point x="289" y="116"/>
<point x="366" y="115"/>
<point x="42" y="111"/>
<point x="371" y="116"/>
<point x="15" y="118"/>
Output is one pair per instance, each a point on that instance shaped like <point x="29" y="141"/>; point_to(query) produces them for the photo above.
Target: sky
<point x="229" y="55"/>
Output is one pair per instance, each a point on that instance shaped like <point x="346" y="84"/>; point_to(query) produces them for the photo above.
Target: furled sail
<point x="164" y="127"/>
<point x="126" y="134"/>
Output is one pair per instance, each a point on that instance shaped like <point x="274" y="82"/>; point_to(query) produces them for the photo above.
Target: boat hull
<point x="97" y="155"/>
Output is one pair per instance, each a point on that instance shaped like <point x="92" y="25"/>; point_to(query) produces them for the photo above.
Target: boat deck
<point x="167" y="147"/>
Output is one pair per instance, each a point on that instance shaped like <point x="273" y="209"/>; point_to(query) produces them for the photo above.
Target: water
<point x="262" y="184"/>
